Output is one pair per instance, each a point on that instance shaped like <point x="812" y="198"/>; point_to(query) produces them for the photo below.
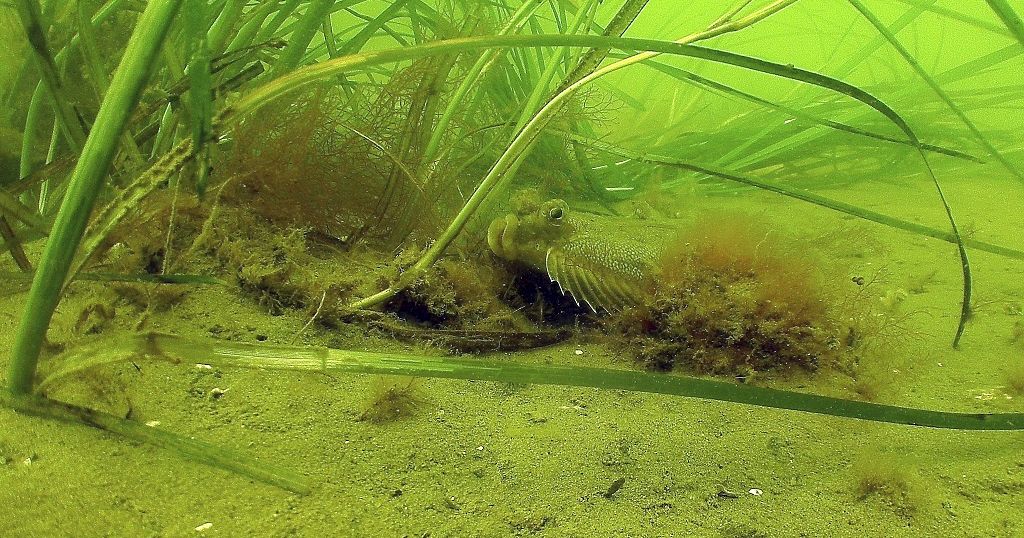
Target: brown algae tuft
<point x="888" y="481"/>
<point x="1015" y="380"/>
<point x="392" y="398"/>
<point x="736" y="297"/>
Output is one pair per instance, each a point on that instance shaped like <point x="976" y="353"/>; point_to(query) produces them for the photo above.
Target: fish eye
<point x="555" y="213"/>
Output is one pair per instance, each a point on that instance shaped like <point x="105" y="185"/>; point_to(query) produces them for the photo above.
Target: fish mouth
<point x="501" y="237"/>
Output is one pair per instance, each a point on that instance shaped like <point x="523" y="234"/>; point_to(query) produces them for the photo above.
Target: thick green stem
<point x="83" y="187"/>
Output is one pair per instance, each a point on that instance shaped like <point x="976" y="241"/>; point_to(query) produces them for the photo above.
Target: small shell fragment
<point x="755" y="492"/>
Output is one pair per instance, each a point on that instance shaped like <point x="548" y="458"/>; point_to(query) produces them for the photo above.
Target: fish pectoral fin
<point x="584" y="283"/>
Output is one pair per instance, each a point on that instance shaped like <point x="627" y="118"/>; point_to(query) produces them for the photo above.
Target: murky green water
<point x="792" y="203"/>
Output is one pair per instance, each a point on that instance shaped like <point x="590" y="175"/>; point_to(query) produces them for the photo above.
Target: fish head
<point x="527" y="236"/>
<point x="603" y="270"/>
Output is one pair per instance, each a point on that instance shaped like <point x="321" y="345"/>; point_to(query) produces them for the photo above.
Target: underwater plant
<point x="259" y="140"/>
<point x="734" y="296"/>
<point x="390" y="399"/>
<point x="890" y="481"/>
<point x="1015" y="380"/>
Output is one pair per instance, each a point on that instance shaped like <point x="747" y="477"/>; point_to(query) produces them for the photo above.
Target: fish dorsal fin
<point x="589" y="281"/>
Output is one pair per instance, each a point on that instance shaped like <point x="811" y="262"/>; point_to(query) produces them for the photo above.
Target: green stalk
<point x="188" y="447"/>
<point x="200" y="85"/>
<point x="470" y="81"/>
<point x="177" y="350"/>
<point x="308" y="25"/>
<point x="1009" y="17"/>
<point x="935" y="87"/>
<point x="31" y="20"/>
<point x="168" y="121"/>
<point x="541" y="86"/>
<point x="327" y="29"/>
<point x="32" y="118"/>
<point x="84" y="185"/>
<point x="222" y="26"/>
<point x="798" y="194"/>
<point x="90" y="51"/>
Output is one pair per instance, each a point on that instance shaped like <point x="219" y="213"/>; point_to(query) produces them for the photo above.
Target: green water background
<point x="489" y="460"/>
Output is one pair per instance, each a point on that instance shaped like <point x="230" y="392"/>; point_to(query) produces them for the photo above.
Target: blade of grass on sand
<point x="179" y="350"/>
<point x="190" y="448"/>
<point x="84" y="185"/>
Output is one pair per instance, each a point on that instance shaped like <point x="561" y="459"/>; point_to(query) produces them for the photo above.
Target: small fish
<point x="616" y="486"/>
<point x="588" y="256"/>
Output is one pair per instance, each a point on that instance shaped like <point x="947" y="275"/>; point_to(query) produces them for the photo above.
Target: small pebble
<point x="204" y="526"/>
<point x="755" y="492"/>
<point x="153" y="423"/>
<point x="579" y="351"/>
